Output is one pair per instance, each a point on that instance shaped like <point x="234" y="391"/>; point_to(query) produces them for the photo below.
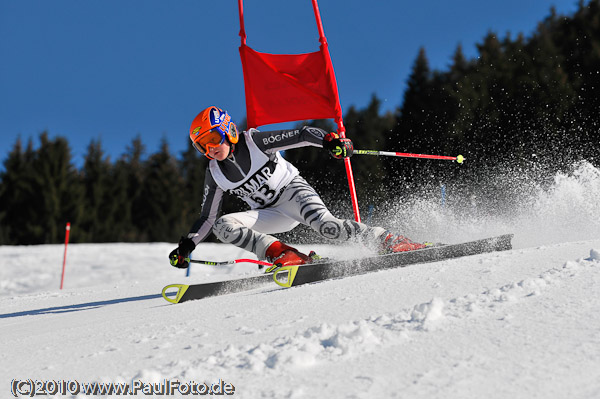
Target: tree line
<point x="521" y="102"/>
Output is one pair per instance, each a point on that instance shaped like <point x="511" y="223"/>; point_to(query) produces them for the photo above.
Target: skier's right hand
<point x="180" y="256"/>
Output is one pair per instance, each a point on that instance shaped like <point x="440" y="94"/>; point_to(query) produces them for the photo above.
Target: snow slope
<point x="523" y="323"/>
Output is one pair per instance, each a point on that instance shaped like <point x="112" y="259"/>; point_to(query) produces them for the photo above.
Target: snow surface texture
<point x="523" y="323"/>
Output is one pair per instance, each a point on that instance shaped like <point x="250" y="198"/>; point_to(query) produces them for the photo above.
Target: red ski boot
<point x="283" y="255"/>
<point x="397" y="243"/>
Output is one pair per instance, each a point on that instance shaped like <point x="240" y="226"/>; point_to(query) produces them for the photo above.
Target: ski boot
<point x="282" y="255"/>
<point x="397" y="243"/>
<point x="287" y="260"/>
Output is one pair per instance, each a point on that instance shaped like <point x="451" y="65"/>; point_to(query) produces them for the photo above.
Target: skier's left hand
<point x="180" y="256"/>
<point x="338" y="147"/>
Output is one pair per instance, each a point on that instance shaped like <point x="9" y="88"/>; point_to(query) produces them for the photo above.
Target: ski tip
<point x="181" y="289"/>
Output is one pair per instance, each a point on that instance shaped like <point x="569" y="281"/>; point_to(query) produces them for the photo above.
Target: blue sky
<point x="109" y="70"/>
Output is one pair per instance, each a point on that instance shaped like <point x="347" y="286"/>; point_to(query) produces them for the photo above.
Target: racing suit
<point x="279" y="198"/>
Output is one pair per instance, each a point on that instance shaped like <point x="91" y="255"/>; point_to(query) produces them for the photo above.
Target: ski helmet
<point x="210" y="128"/>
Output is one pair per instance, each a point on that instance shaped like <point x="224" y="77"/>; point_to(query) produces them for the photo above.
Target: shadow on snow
<point x="79" y="306"/>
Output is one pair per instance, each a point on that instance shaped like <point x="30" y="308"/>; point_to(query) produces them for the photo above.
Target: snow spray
<point x="541" y="208"/>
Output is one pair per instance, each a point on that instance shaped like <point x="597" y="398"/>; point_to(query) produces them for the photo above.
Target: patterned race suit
<point x="278" y="196"/>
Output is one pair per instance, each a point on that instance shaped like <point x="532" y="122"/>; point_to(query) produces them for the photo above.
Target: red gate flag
<point x="292" y="87"/>
<point x="287" y="87"/>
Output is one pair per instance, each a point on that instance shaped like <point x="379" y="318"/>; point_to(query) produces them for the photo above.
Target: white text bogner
<point x="279" y="137"/>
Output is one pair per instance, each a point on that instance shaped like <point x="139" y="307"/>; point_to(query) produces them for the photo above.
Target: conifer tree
<point x="103" y="190"/>
<point x="162" y="198"/>
<point x="121" y="228"/>
<point x="131" y="168"/>
<point x="15" y="192"/>
<point x="415" y="113"/>
<point x="55" y="190"/>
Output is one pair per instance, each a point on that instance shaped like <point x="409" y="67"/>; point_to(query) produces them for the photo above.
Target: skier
<point x="250" y="166"/>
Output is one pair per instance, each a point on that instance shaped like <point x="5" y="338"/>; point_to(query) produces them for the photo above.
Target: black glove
<point x="180" y="256"/>
<point x="338" y="148"/>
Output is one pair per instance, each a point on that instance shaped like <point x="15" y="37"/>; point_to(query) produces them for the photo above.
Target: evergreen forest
<point x="522" y="103"/>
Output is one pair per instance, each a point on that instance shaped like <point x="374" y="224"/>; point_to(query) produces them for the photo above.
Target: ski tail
<point x="181" y="289"/>
<point x="291" y="275"/>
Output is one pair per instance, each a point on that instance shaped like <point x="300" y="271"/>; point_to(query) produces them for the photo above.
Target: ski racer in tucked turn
<point x="250" y="166"/>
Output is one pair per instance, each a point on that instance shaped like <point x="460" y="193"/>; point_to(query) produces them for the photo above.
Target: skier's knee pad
<point x="330" y="227"/>
<point x="225" y="227"/>
<point x="343" y="230"/>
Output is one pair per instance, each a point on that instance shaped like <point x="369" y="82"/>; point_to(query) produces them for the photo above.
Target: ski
<point x="310" y="273"/>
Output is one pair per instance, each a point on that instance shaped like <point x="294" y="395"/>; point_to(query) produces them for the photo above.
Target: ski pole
<point x="230" y="262"/>
<point x="458" y="158"/>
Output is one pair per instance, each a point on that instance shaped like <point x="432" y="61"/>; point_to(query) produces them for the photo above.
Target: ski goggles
<point x="214" y="138"/>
